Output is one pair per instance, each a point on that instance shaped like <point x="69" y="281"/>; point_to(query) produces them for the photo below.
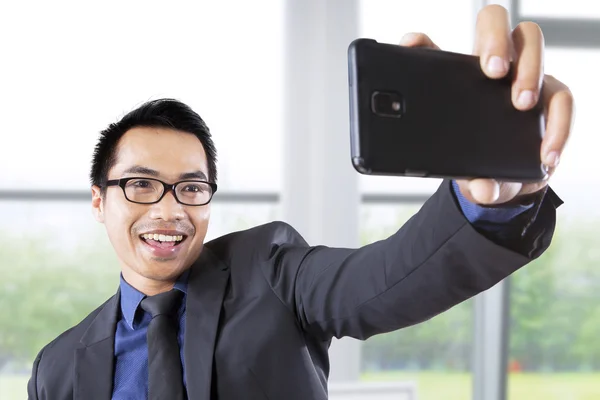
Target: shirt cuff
<point x="496" y="215"/>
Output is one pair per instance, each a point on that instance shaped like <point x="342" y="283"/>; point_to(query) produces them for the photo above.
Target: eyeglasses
<point x="151" y="191"/>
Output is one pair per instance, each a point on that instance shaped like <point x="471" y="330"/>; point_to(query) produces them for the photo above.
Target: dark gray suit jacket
<point x="263" y="305"/>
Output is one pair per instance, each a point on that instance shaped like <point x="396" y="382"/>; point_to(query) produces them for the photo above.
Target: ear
<point x="97" y="204"/>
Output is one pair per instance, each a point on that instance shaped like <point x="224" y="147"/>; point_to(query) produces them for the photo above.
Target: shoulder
<point x="250" y="254"/>
<point x="58" y="354"/>
<point x="261" y="239"/>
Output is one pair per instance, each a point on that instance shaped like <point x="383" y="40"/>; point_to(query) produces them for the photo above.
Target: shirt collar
<point x="131" y="297"/>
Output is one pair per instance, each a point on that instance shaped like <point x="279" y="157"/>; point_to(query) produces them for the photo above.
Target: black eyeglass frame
<point x="168" y="187"/>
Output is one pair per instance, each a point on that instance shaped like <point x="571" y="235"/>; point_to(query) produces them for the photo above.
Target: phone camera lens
<point x="387" y="104"/>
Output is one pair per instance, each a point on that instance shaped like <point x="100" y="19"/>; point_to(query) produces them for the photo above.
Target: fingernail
<point x="526" y="99"/>
<point x="552" y="159"/>
<point x="497" y="65"/>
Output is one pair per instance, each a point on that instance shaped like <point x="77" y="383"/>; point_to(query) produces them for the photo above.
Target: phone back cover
<point x="456" y="121"/>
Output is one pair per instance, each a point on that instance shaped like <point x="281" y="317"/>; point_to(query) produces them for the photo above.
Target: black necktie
<point x="165" y="376"/>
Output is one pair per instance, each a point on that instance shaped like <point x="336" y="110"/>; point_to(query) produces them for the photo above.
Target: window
<point x="555" y="312"/>
<point x="57" y="266"/>
<point x="584" y="9"/>
<point x="69" y="77"/>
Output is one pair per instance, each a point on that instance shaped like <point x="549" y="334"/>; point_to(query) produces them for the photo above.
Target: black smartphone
<point x="431" y="113"/>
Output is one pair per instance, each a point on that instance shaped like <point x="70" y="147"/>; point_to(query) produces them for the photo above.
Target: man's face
<point x="171" y="154"/>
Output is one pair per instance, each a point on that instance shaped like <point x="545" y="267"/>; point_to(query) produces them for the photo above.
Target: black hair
<point x="163" y="113"/>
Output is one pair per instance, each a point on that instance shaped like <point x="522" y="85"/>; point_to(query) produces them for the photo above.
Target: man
<point x="250" y="315"/>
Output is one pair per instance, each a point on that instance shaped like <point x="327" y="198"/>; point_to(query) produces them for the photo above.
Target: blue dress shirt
<point x="131" y="353"/>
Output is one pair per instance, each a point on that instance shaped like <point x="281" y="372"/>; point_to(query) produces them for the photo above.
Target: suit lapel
<point x="206" y="288"/>
<point x="94" y="363"/>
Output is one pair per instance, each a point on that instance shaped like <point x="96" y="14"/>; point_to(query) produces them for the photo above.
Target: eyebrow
<point x="193" y="175"/>
<point x="138" y="169"/>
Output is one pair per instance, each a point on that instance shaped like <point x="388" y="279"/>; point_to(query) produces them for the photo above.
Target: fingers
<point x="493" y="43"/>
<point x="415" y="39"/>
<point x="528" y="41"/>
<point x="496" y="46"/>
<point x="560" y="105"/>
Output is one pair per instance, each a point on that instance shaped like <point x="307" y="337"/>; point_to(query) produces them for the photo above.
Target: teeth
<point x="162" y="238"/>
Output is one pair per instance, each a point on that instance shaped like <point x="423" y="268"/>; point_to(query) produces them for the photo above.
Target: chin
<point x="163" y="270"/>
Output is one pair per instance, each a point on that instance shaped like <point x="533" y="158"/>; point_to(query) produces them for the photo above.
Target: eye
<point x="194" y="188"/>
<point x="141" y="184"/>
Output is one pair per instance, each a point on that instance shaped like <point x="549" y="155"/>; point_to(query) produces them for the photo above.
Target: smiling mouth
<point x="163" y="241"/>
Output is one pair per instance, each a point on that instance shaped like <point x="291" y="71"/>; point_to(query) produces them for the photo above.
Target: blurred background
<point x="270" y="80"/>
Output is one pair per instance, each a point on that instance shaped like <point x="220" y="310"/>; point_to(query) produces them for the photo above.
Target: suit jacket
<point x="263" y="305"/>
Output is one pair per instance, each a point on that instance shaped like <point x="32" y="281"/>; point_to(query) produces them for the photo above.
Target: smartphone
<point x="431" y="113"/>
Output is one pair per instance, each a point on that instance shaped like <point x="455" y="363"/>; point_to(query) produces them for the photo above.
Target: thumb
<point x="484" y="191"/>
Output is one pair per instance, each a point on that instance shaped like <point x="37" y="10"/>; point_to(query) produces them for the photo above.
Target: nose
<point x="167" y="209"/>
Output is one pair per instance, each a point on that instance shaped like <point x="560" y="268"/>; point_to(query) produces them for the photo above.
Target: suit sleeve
<point x="435" y="261"/>
<point x="32" y="393"/>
